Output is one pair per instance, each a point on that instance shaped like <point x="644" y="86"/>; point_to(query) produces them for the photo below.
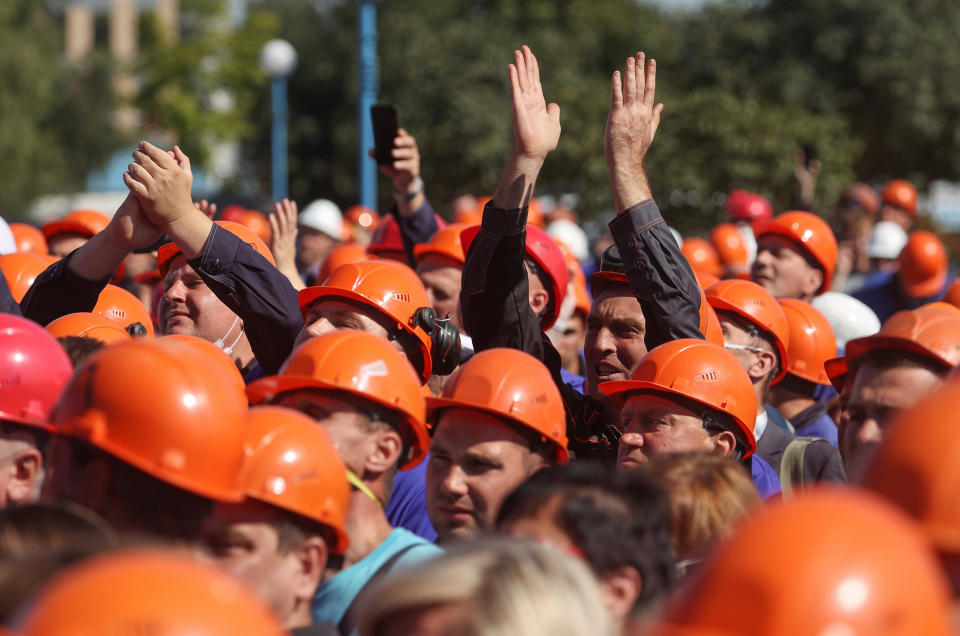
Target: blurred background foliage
<point x="869" y="85"/>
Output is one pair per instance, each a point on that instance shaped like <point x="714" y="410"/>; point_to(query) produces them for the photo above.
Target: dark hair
<point x="799" y="386"/>
<point x="293" y="529"/>
<point x="79" y="347"/>
<point x="615" y="520"/>
<point x="883" y="359"/>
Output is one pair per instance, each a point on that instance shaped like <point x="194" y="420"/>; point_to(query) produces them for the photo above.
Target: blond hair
<point x="510" y="588"/>
<point x="709" y="495"/>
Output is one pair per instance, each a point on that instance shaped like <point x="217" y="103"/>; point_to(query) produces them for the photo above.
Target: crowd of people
<point x="320" y="422"/>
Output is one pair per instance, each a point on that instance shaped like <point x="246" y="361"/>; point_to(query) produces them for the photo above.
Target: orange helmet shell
<point x="812" y="236"/>
<point x="699" y="371"/>
<point x="169" y="251"/>
<point x="256" y="221"/>
<point x="855" y="566"/>
<point x="365" y="217"/>
<point x="952" y="295"/>
<point x="292" y="464"/>
<point x="212" y="353"/>
<point x="168" y="412"/>
<point x="728" y="242"/>
<point x="20" y="269"/>
<point x="812" y="341"/>
<point x="902" y="194"/>
<point x="933" y="333"/>
<point x="923" y="265"/>
<point x="391" y="289"/>
<point x="445" y="242"/>
<point x="510" y="385"/>
<point x="342" y="255"/>
<point x="359" y="364"/>
<point x="87" y="222"/>
<point x="152" y="591"/>
<point x="120" y="305"/>
<point x="89" y="325"/>
<point x="754" y="304"/>
<point x="701" y="256"/>
<point x="29" y="239"/>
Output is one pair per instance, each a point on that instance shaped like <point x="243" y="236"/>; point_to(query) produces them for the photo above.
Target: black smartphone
<point x="809" y="154"/>
<point x="384" y="117"/>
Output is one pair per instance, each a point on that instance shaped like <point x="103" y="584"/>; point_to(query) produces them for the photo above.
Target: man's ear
<point x="620" y="590"/>
<point x="385" y="451"/>
<point x="765" y="362"/>
<point x="725" y="443"/>
<point x="27" y="478"/>
<point x="812" y="281"/>
<point x="311" y="560"/>
<point x="539" y="299"/>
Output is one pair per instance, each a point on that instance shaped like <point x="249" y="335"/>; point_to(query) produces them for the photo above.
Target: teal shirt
<point x="334" y="597"/>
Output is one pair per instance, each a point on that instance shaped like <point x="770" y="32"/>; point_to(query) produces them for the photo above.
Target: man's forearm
<point x="516" y="185"/>
<point x="97" y="258"/>
<point x="629" y="186"/>
<point x="189" y="231"/>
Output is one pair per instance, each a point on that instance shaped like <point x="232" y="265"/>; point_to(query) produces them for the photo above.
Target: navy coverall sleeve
<point x="416" y="228"/>
<point x="7" y="304"/>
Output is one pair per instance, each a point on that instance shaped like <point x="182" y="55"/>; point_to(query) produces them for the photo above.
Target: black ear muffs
<point x="136" y="329"/>
<point x="444" y="340"/>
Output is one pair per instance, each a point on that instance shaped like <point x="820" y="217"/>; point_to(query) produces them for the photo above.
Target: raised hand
<point x="406" y="161"/>
<point x="161" y="181"/>
<point x="283" y="240"/>
<point x="536" y="124"/>
<point x="631" y="126"/>
<point x="130" y="228"/>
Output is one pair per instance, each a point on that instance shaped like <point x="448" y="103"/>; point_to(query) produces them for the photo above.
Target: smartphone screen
<point x="384" y="117"/>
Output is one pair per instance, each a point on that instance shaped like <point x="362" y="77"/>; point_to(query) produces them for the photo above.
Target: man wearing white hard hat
<point x="321" y="230"/>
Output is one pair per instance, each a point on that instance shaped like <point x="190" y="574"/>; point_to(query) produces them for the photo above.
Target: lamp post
<point x="369" y="79"/>
<point x="278" y="58"/>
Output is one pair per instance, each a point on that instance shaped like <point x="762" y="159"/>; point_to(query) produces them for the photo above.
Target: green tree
<point x="56" y="117"/>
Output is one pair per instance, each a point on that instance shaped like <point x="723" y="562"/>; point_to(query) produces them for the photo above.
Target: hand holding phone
<point x="384" y="118"/>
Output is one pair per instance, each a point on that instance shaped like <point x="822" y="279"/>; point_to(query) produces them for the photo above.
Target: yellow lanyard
<point x="362" y="487"/>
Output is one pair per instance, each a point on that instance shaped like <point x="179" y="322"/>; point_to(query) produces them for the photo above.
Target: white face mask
<point x="749" y="241"/>
<point x="220" y="342"/>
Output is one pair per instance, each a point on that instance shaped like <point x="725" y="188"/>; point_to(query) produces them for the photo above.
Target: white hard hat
<point x="677" y="236"/>
<point x="849" y="317"/>
<point x="570" y="234"/>
<point x="323" y="215"/>
<point x="886" y="241"/>
<point x="8" y="244"/>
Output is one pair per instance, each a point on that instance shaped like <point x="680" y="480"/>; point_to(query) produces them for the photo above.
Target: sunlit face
<point x="315" y="246"/>
<point x="614" y="340"/>
<point x="476" y="460"/>
<point x="241" y="540"/>
<point x="568" y="336"/>
<point x="191" y="308"/>
<point x="653" y="425"/>
<point x="875" y="399"/>
<point x="441" y="278"/>
<point x="782" y="270"/>
<point x="329" y="314"/>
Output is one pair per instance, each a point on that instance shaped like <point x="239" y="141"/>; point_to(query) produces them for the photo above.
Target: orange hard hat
<point x="393" y="291"/>
<point x="699" y="371"/>
<point x="701" y="256"/>
<point x="445" y="242"/>
<point x="125" y="308"/>
<point x="362" y="215"/>
<point x="709" y="322"/>
<point x="855" y="565"/>
<point x="535" y="213"/>
<point x="29" y="239"/>
<point x="341" y="255"/>
<point x="812" y="342"/>
<point x="753" y="303"/>
<point x="169" y="412"/>
<point x="292" y="464"/>
<point x="812" y="236"/>
<point x="256" y="221"/>
<point x="151" y="591"/>
<point x="89" y="325"/>
<point x="577" y="279"/>
<point x="469" y="217"/>
<point x="952" y="295"/>
<point x="87" y="222"/>
<point x="21" y="269"/>
<point x="940" y="305"/>
<point x="862" y="195"/>
<point x="213" y="354"/>
<point x="728" y="242"/>
<point x="932" y="333"/>
<point x="361" y="364"/>
<point x="706" y="280"/>
<point x="916" y="465"/>
<point x="923" y="265"/>
<point x="902" y="194"/>
<point x="169" y="251"/>
<point x="511" y="385"/>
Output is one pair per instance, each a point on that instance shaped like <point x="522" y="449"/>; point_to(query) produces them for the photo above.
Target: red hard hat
<point x="360" y="364"/>
<point x="923" y="265"/>
<point x="754" y="304"/>
<point x="120" y="305"/>
<point x="548" y="257"/>
<point x="812" y="342"/>
<point x="34" y="369"/>
<point x="747" y="206"/>
<point x="810" y="234"/>
<point x="702" y="257"/>
<point x="168" y="252"/>
<point x="29" y="239"/>
<point x="511" y="385"/>
<point x="855" y="565"/>
<point x="445" y="242"/>
<point x="87" y="222"/>
<point x="21" y="269"/>
<point x="88" y="325"/>
<point x="699" y="371"/>
<point x="902" y="194"/>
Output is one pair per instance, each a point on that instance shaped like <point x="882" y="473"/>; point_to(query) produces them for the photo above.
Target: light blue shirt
<point x="334" y="597"/>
